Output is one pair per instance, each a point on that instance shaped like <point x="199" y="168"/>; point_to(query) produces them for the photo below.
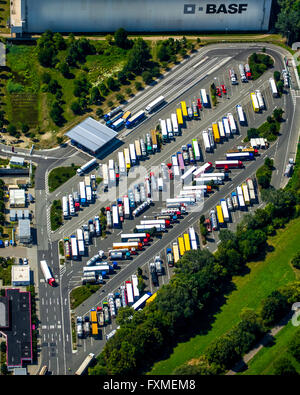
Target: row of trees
<point x="288" y="20"/>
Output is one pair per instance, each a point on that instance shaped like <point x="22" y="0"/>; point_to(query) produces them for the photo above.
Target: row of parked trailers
<point x="241" y="198"/>
<point x="221" y="130"/>
<point x="74" y="246"/>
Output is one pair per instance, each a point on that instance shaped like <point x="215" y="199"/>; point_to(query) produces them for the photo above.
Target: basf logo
<point x="212" y="8"/>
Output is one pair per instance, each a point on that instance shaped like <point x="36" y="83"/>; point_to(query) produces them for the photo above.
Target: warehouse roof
<point x="91" y="134"/>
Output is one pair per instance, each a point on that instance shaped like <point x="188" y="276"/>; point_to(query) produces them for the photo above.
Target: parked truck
<point x="86" y="166"/>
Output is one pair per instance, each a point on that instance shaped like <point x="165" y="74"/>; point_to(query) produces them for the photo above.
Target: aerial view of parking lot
<point x="150" y="189"/>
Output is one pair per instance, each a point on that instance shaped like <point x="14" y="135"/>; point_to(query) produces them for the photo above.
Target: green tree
<point x="76" y="108"/>
<point x="112" y="84"/>
<point x="121" y="39"/>
<point x="64" y="69"/>
<point x="284" y="367"/>
<point x="274" y="307"/>
<point x="147" y="77"/>
<point x="95" y="95"/>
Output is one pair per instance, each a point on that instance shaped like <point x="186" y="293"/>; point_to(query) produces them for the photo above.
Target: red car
<point x="170" y="174"/>
<point x="218" y="91"/>
<point x="223" y="89"/>
<point x="199" y="104"/>
<point x="208" y="224"/>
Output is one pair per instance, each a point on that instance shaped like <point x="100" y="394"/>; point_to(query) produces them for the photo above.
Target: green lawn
<point x="59" y="176"/>
<point x="264" y="277"/>
<point x="263" y="362"/>
<point x="56" y="215"/>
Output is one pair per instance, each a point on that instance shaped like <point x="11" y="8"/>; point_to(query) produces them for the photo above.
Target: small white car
<point x="25" y="261"/>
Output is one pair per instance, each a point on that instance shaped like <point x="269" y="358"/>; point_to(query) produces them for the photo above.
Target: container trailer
<point x="163" y="129"/>
<point x="118" y="124"/>
<point x="184" y="109"/>
<point x="206" y="141"/>
<point x="126" y="115"/>
<point x="187" y="244"/>
<point x="202" y="169"/>
<point x="154" y="140"/>
<point x="226" y="127"/>
<point x="193" y="239"/>
<point x="239" y="156"/>
<point x="242" y="73"/>
<point x="112" y="113"/>
<point x="135" y="119"/>
<point x="224" y="164"/>
<point x="196" y="150"/>
<point x="232" y="123"/>
<point x="254" y="100"/>
<point x="65" y="206"/>
<point x="246" y="194"/>
<point x="181" y="246"/>
<point x="127" y="158"/>
<point x="251" y="189"/>
<point x="211" y="138"/>
<point x="86" y="166"/>
<point x="224" y="210"/>
<point x="235" y="201"/>
<point x="204" y="98"/>
<point x="154" y="104"/>
<point x="220" y="215"/>
<point x="132" y="154"/>
<point x="137" y="145"/>
<point x="241" y="114"/>
<point x="273" y="87"/>
<point x="175" y="249"/>
<point x="143" y="148"/>
<point x="240" y="197"/>
<point x="221" y="130"/>
<point x="187" y="177"/>
<point x="89" y="195"/>
<point x="174" y="124"/>
<point x="134" y="281"/>
<point x="122" y="165"/>
<point x="169" y="129"/>
<point x="260" y="99"/>
<point x="129" y="292"/>
<point x="74" y="248"/>
<point x="47" y="273"/>
<point x="179" y="116"/>
<point x="216" y="132"/>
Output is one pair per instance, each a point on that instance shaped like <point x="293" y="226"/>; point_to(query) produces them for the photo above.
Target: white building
<point x="17" y="198"/>
<point x="20" y="275"/>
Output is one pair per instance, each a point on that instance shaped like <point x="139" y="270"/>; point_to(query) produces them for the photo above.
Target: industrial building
<point x="15" y="325"/>
<point x="91" y="135"/>
<point x="17" y="198"/>
<point x="36" y="16"/>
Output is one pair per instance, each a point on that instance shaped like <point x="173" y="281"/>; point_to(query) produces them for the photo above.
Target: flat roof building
<point x="15" y="313"/>
<point x="20" y="275"/>
<point x="24" y="231"/>
<point x="91" y="135"/>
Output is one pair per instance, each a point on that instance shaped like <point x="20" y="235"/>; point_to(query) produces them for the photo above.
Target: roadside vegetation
<point x="259" y="63"/>
<point x="264" y="174"/>
<point x="79" y="294"/>
<point x="59" y="176"/>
